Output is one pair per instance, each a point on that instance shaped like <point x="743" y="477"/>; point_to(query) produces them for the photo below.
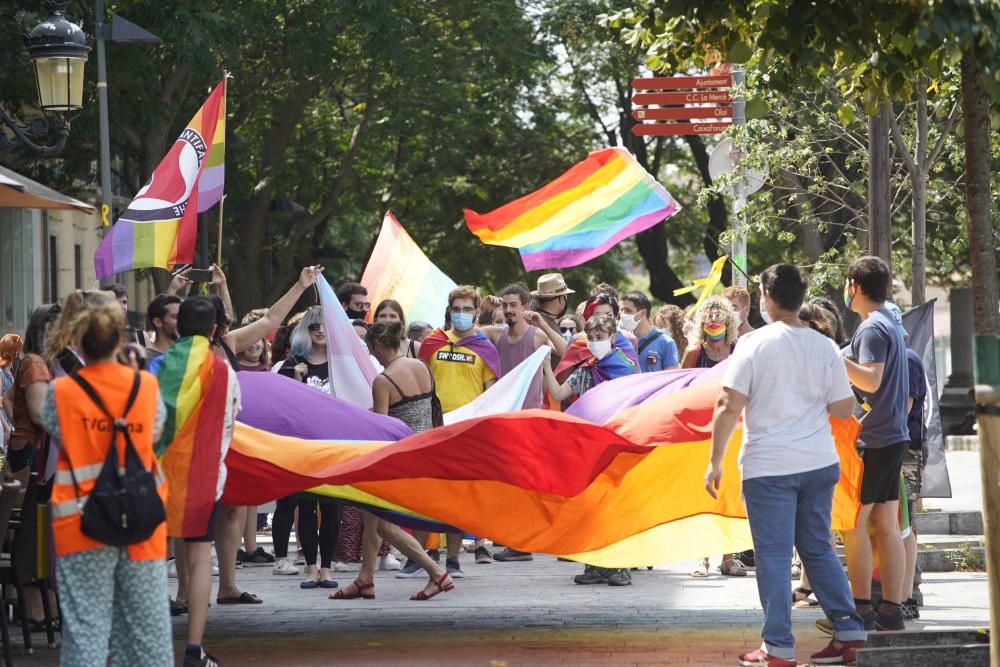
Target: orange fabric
<point x="847" y="494"/>
<point x="85" y="438"/>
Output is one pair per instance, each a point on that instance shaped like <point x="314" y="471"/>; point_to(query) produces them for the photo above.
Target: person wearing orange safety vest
<point x="113" y="599"/>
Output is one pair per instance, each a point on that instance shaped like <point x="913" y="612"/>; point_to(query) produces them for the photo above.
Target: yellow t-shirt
<point x="459" y="373"/>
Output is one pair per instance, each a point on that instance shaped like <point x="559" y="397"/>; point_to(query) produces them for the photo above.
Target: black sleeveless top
<point x="414" y="411"/>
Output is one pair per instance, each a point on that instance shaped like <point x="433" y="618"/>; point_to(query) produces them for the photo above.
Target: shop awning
<point x="17" y="191"/>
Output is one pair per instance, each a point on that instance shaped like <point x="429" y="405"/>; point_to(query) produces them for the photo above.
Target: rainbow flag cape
<point x="580" y="215"/>
<point x="194" y="384"/>
<point x="626" y="493"/>
<point x="398" y="269"/>
<point x="160" y="225"/>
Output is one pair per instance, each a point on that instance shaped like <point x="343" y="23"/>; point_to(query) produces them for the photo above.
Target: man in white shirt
<point x="789" y="379"/>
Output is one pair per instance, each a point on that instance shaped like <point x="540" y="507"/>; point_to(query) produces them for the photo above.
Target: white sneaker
<point x="341" y="566"/>
<point x="172" y="568"/>
<point x="283" y="566"/>
<point x="389" y="563"/>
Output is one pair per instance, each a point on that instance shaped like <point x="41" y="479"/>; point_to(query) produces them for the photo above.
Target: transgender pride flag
<point x="160" y="225"/>
<point x="352" y="371"/>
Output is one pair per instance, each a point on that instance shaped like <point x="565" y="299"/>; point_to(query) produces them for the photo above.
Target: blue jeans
<point x="795" y="509"/>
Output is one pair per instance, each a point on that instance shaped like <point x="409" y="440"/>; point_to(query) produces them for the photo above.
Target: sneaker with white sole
<point x="389" y="563"/>
<point x="410" y="570"/>
<point x="454" y="568"/>
<point x="283" y="566"/>
<point x="341" y="566"/>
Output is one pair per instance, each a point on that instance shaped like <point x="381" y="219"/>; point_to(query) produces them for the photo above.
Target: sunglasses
<point x="316" y="326"/>
<point x="567" y="329"/>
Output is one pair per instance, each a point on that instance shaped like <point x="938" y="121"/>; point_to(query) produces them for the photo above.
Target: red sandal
<point x="360" y="592"/>
<point x="441" y="588"/>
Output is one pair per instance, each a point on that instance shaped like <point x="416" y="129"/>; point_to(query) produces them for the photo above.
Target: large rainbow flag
<point x="160" y="225"/>
<point x="398" y="269"/>
<point x="626" y="493"/>
<point x="194" y="384"/>
<point x="580" y="215"/>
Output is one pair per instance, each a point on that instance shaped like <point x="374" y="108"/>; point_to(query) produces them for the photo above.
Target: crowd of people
<point x="82" y="387"/>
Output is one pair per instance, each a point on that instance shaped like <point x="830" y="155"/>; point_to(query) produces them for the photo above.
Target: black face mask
<point x="544" y="306"/>
<point x="356" y="314"/>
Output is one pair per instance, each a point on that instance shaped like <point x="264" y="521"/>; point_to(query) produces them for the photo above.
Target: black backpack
<point x="122" y="509"/>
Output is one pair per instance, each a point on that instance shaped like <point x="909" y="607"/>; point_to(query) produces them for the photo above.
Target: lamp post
<point x="58" y="50"/>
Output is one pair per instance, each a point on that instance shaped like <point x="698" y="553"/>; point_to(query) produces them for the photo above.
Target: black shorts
<point x="880" y="483"/>
<point x="210" y="531"/>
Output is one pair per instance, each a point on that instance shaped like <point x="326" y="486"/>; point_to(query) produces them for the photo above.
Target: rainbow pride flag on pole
<point x="194" y="384"/>
<point x="580" y="215"/>
<point x="160" y="225"/>
<point x="398" y="269"/>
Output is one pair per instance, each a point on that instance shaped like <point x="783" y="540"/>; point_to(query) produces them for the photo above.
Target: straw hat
<point x="550" y="285"/>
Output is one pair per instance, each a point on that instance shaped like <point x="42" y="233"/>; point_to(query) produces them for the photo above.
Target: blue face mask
<point x="461" y="321"/>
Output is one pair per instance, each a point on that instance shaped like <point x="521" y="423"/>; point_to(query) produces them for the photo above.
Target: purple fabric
<point x="607" y="399"/>
<point x="280" y="405"/>
<point x="482" y="346"/>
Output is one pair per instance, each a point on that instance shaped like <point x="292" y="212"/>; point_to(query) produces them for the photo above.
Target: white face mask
<point x="628" y="322"/>
<point x="566" y="336"/>
<point x="763" y="311"/>
<point x="599" y="348"/>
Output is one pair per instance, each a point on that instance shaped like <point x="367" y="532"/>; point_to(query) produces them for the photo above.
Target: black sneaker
<point x="205" y="660"/>
<point x="410" y="570"/>
<point x="911" y="610"/>
<point x="620" y="577"/>
<point x="748" y="558"/>
<point x="483" y="556"/>
<point x="889" y="618"/>
<point x="591" y="575"/>
<point x="509" y="555"/>
<point x="258" y="558"/>
<point x="240" y="557"/>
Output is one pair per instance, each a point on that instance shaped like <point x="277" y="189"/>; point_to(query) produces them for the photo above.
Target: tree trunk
<point x="879" y="192"/>
<point x="652" y="244"/>
<point x="982" y="250"/>
<point x="918" y="183"/>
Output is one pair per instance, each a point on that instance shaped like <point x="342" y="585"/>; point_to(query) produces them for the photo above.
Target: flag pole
<point x="222" y="202"/>
<point x="218" y="255"/>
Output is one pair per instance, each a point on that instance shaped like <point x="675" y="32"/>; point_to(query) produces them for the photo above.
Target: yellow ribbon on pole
<point x="706" y="284"/>
<point x="104" y="214"/>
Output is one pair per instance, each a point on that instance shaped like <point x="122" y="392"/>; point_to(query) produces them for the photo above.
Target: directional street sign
<point x="661" y="129"/>
<point x="681" y="82"/>
<point x="689" y="97"/>
<point x="683" y="113"/>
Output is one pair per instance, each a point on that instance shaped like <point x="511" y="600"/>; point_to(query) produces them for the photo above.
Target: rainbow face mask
<point x="714" y="332"/>
<point x="848" y="298"/>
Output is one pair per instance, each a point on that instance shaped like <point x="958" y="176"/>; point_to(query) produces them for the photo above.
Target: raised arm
<point x="222" y="287"/>
<point x="242" y="338"/>
<point x="548" y="335"/>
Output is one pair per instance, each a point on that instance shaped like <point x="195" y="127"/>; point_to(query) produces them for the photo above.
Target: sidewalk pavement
<point x="527" y="613"/>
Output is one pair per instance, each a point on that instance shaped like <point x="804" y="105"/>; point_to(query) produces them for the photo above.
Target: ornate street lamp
<point x="58" y="50"/>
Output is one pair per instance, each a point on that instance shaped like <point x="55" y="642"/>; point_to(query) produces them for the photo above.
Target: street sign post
<point x="700" y="103"/>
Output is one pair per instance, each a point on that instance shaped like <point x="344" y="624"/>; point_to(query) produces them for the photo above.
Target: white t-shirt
<point x="234" y="401"/>
<point x="789" y="375"/>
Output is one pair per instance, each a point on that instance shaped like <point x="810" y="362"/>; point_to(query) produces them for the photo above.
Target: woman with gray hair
<point x="307" y="360"/>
